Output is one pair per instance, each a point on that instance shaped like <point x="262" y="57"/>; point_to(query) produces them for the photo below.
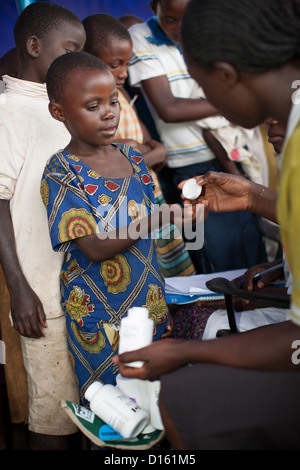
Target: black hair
<point x="60" y="71"/>
<point x="39" y="19"/>
<point x="101" y="29"/>
<point x="130" y="17"/>
<point x="252" y="35"/>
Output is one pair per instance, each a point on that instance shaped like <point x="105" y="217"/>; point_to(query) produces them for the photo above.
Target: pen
<point x="262" y="273"/>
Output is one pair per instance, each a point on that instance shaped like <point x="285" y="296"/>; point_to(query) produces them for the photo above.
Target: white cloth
<point x="183" y="141"/>
<point x="28" y="137"/>
<point x="245" y="321"/>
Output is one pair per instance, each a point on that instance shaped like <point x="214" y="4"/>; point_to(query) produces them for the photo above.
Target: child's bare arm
<point x="105" y="245"/>
<point x="26" y="308"/>
<point x="171" y="108"/>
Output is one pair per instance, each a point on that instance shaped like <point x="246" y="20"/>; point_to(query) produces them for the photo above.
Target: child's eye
<point x="170" y="20"/>
<point x="92" y="107"/>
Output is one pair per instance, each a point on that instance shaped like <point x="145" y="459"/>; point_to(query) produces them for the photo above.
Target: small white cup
<point x="191" y="190"/>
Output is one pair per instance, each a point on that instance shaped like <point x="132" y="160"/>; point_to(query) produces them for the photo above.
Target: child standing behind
<point x="108" y="39"/>
<point x="28" y="135"/>
<point x="93" y="190"/>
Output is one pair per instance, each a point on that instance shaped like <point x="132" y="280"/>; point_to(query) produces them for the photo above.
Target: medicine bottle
<point x="138" y="391"/>
<point x="155" y="417"/>
<point x="136" y="331"/>
<point x="191" y="190"/>
<point x="116" y="409"/>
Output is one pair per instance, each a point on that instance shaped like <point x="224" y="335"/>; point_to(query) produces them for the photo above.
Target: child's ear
<point x="33" y="46"/>
<point x="227" y="73"/>
<point x="56" y="112"/>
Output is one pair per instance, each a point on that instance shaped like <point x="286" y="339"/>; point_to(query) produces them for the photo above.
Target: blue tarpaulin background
<point x="9" y="11"/>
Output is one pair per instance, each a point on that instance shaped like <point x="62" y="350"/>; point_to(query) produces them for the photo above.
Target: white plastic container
<point x="116" y="409"/>
<point x="155" y="417"/>
<point x="138" y="390"/>
<point x="136" y="331"/>
<point x="191" y="190"/>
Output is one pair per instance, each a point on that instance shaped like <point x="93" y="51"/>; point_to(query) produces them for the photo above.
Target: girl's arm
<point x="105" y="245"/>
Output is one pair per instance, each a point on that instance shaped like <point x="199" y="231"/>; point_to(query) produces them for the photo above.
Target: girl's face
<point x="169" y="15"/>
<point x="90" y="108"/>
<point x="117" y="57"/>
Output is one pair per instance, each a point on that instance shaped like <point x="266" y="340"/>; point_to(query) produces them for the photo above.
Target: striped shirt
<point x="155" y="55"/>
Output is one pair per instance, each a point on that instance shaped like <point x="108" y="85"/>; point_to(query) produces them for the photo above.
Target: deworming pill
<point x="191" y="190"/>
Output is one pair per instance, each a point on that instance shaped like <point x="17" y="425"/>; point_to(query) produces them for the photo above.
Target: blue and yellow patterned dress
<point x="95" y="296"/>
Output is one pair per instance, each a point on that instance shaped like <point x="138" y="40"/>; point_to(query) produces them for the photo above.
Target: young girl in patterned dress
<point x="99" y="200"/>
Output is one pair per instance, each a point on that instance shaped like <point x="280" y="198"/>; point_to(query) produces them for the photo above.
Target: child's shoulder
<point x="129" y="151"/>
<point x="134" y="156"/>
<point x="60" y="160"/>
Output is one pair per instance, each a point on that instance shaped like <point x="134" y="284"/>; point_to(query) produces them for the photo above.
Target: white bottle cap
<point x="139" y="312"/>
<point x="191" y="190"/>
<point x="92" y="389"/>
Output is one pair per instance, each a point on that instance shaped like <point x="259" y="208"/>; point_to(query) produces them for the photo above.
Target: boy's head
<point x="83" y="95"/>
<point x="62" y="69"/>
<point x="129" y="20"/>
<point x="108" y="39"/>
<point x="169" y="15"/>
<point x="44" y="31"/>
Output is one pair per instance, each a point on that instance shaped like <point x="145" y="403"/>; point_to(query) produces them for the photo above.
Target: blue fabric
<point x="95" y="296"/>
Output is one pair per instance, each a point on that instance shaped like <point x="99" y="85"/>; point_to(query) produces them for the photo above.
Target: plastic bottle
<point x="191" y="190"/>
<point x="136" y="331"/>
<point x="138" y="391"/>
<point x="116" y="409"/>
<point x="155" y="418"/>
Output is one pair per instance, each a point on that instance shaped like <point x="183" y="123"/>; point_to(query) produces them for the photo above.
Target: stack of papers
<point x="187" y="289"/>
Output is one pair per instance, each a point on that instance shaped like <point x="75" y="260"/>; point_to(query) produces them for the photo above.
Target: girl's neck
<point x="108" y="161"/>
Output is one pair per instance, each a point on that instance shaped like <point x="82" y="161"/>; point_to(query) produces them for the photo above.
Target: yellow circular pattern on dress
<point x="76" y="223"/>
<point x="91" y="342"/>
<point x="136" y="210"/>
<point x="116" y="274"/>
<point x="133" y="209"/>
<point x="45" y="192"/>
<point x="156" y="304"/>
